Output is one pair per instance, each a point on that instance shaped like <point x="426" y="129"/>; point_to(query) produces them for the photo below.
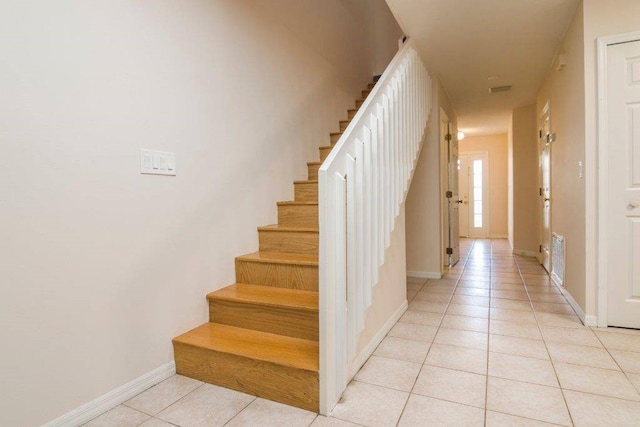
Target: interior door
<point x="452" y="196"/>
<point x="463" y="187"/>
<point x="545" y="190"/>
<point x="623" y="192"/>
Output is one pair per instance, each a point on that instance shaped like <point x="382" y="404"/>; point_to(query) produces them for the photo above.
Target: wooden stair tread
<point x="314" y="163"/>
<point x="280" y="258"/>
<point x="279" y="349"/>
<point x="306" y="181"/>
<point x="278" y="227"/>
<point x="296" y="203"/>
<point x="268" y="295"/>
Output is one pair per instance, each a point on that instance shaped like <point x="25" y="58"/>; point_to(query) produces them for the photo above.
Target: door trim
<point x="443" y="120"/>
<point x="602" y="158"/>
<point x="545" y="112"/>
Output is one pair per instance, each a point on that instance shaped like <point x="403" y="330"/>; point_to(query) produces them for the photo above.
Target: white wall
<point x="424" y="200"/>
<point x="564" y="90"/>
<point x="525" y="198"/>
<point x="102" y="266"/>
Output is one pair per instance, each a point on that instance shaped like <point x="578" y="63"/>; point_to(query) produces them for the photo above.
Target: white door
<point x="545" y="189"/>
<point x="452" y="196"/>
<point x="478" y="180"/>
<point x="463" y="190"/>
<point x="623" y="192"/>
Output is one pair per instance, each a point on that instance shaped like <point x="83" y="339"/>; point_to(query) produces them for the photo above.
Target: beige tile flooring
<point x="492" y="343"/>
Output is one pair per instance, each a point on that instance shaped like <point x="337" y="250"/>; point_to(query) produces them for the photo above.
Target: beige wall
<point x="102" y="266"/>
<point x="564" y="90"/>
<point x="424" y="201"/>
<point x="526" y="203"/>
<point x="601" y="18"/>
<point x="497" y="149"/>
<point x="510" y="183"/>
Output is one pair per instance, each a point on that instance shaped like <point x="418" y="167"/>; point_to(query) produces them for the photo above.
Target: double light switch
<point x="157" y="162"/>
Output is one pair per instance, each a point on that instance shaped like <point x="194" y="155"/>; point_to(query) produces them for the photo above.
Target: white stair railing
<point x="362" y="184"/>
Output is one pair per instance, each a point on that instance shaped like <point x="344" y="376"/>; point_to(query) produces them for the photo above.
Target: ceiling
<point x="466" y="42"/>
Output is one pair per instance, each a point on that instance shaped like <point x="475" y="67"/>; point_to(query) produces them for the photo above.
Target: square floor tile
<point x="527" y="400"/>
<point x="155" y="422"/>
<point x="465" y="323"/>
<point x="511" y="304"/>
<point x="392" y="373"/>
<point x="581" y="355"/>
<point x="432" y="297"/>
<point x="370" y="405"/>
<point x="121" y="416"/>
<point x="629" y="361"/>
<point x="550" y="307"/>
<point x="554" y="298"/>
<point x="498" y="419"/>
<point x="474" y="284"/>
<point x="477" y="340"/>
<point x="163" y="394"/>
<point x="525" y="369"/>
<point x="559" y="320"/>
<point x="518" y="346"/>
<point x="272" y="414"/>
<point x="460" y="358"/>
<point x="635" y="380"/>
<point x="519" y="295"/>
<point x="322" y="421"/>
<point x="603" y="382"/>
<point x="616" y="341"/>
<point x="403" y="349"/>
<point x="468" y="310"/>
<point x="475" y="292"/>
<point x="431" y="306"/>
<point x="208" y="405"/>
<point x="421" y="318"/>
<point x="454" y="386"/>
<point x="426" y="411"/>
<point x="519" y="330"/>
<point x="470" y="300"/>
<point x="413" y="331"/>
<point x="571" y="336"/>
<point x="516" y="316"/>
<point x="596" y="411"/>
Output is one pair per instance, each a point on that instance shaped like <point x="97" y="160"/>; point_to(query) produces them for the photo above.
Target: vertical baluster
<point x="373" y="133"/>
<point x="364" y="297"/>
<point x="354" y="309"/>
<point x="386" y="167"/>
<point x="339" y="256"/>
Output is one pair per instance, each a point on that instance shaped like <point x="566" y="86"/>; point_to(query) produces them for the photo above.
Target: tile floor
<point x="492" y="343"/>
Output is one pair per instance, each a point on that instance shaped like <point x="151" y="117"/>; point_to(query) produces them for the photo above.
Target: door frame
<point x="443" y="123"/>
<point x="602" y="159"/>
<point x="486" y="194"/>
<point x="545" y="112"/>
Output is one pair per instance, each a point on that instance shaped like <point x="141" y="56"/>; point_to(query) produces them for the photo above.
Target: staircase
<point x="262" y="334"/>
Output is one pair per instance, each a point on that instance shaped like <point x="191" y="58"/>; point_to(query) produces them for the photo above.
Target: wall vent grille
<point x="496" y="89"/>
<point x="558" y="258"/>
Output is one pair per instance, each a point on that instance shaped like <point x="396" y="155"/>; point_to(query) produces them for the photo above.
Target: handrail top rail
<point x="386" y="77"/>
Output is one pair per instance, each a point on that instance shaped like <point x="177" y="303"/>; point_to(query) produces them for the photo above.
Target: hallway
<point x="492" y="343"/>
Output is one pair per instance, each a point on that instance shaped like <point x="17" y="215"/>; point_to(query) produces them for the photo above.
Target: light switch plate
<point x="580" y="170"/>
<point x="154" y="162"/>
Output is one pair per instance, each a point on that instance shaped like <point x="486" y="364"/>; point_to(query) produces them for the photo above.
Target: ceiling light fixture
<point x="460" y="135"/>
<point x="500" y="88"/>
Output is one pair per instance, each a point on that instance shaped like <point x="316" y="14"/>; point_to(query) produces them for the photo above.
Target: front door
<point x="545" y="189"/>
<point x="478" y="180"/>
<point x="452" y="195"/>
<point x="623" y="192"/>
<point x="463" y="186"/>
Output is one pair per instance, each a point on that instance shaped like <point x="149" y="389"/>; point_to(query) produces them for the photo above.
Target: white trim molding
<point x="498" y="236"/>
<point x="368" y="350"/>
<point x="104" y="403"/>
<point x="424" y="274"/>
<point x="602" y="156"/>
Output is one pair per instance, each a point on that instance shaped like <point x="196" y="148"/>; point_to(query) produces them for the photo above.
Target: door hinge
<point x="448" y="137"/>
<point x="541" y="191"/>
<point x="449" y="194"/>
<point x="449" y="251"/>
<point x="540" y="249"/>
<point x="540" y="134"/>
<point x="551" y="137"/>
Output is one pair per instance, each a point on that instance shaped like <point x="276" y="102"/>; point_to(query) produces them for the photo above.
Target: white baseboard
<point x="376" y="340"/>
<point x="102" y="404"/>
<point x="576" y="307"/>
<point x="424" y="274"/>
<point x="498" y="236"/>
<point x="590" y="320"/>
<point x="525" y="253"/>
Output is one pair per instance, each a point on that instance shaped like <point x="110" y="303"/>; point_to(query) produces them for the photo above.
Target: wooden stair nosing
<point x="280" y="228"/>
<point x="280" y="258"/>
<point x="279" y="349"/>
<point x="268" y="296"/>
